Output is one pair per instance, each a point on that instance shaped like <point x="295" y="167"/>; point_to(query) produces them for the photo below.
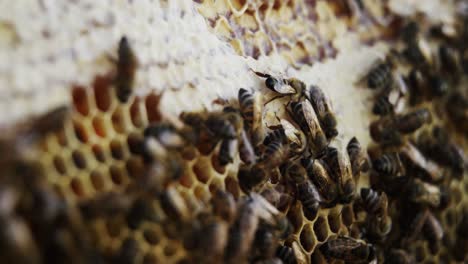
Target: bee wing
<point x="283" y="88"/>
<point x="311" y="118"/>
<point x="291" y="132"/>
<point x="257" y="111"/>
<point x="317" y="97"/>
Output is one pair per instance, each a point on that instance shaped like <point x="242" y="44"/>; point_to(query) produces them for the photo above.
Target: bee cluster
<point x="111" y="181"/>
<point x="417" y="166"/>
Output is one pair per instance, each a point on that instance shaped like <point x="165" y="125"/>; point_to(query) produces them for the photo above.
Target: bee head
<point x="271" y="82"/>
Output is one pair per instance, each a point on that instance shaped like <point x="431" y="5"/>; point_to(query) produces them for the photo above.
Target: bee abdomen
<point x="309" y="197"/>
<point x="246" y="102"/>
<point x="387" y="164"/>
<point x="382" y="106"/>
<point x="275" y="135"/>
<point x="412" y="121"/>
<point x="380" y="76"/>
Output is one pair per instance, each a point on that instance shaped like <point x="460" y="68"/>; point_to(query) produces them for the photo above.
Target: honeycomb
<point x="97" y="152"/>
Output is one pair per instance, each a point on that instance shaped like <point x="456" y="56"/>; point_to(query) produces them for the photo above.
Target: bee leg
<point x="263" y="75"/>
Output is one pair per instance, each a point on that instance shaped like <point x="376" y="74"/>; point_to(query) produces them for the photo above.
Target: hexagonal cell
<point x="80" y="100"/>
<point x="98" y="180"/>
<point x="307" y="238"/>
<point x="99" y="126"/>
<point x="295" y="217"/>
<point x="187" y="179"/>
<point x="61" y="138"/>
<point x="114" y="226"/>
<point x="98" y="152"/>
<point x="189" y="153"/>
<point x="216" y="166"/>
<point x="317" y="257"/>
<point x="202" y="194"/>
<point x="232" y="186"/>
<point x="321" y="229"/>
<point x="347" y="215"/>
<point x="80" y="131"/>
<point x="420" y="252"/>
<point x="136" y="143"/>
<point x="118" y="120"/>
<point x="151" y="236"/>
<point x="60" y="165"/>
<point x="450" y="217"/>
<point x="102" y="93"/>
<point x="334" y="221"/>
<point x="216" y="184"/>
<point x="170" y="249"/>
<point x="456" y="194"/>
<point x="136" y="113"/>
<point x="150" y="258"/>
<point x="117" y="175"/>
<point x="135" y="167"/>
<point x="77" y="187"/>
<point x="117" y="150"/>
<point x="202" y="170"/>
<point x="152" y="108"/>
<point x="79" y="159"/>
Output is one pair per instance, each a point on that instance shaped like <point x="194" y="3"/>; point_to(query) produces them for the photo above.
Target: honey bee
<point x="340" y="168"/>
<point x="412" y="121"/>
<point x="304" y="115"/>
<point x="193" y="119"/>
<point x="209" y="240"/>
<point x="322" y="107"/>
<point x="433" y="229"/>
<point x="380" y="76"/>
<point x="251" y="176"/>
<point x="418" y="86"/>
<point x="442" y="151"/>
<point x="166" y="134"/>
<point x="295" y="173"/>
<point x="265" y="242"/>
<point x="347" y="249"/>
<point x="277" y="134"/>
<point x="448" y="60"/>
<point x="439" y="85"/>
<point x="457" y="108"/>
<point x="140" y="211"/>
<point x="107" y="205"/>
<point x="220" y="125"/>
<point x="374" y="203"/>
<point x="382" y="106"/>
<point x="388" y="164"/>
<point x="251" y="110"/>
<point x="410" y="31"/>
<point x="310" y="198"/>
<point x="378" y="228"/>
<point x="416" y="161"/>
<point x="284" y="87"/>
<point x="286" y="254"/>
<point x="227" y="151"/>
<point x="224" y="205"/>
<point x="318" y="174"/>
<point x="384" y="132"/>
<point x="174" y="205"/>
<point x="399" y="256"/>
<point x="357" y="157"/>
<point x="246" y="150"/>
<point x="414" y="54"/>
<point x="18" y="245"/>
<point x="296" y="138"/>
<point x="126" y="68"/>
<point x="128" y="252"/>
<point x="425" y="193"/>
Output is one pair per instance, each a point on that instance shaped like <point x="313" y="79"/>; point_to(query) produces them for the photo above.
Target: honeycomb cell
<point x="118" y="121"/>
<point x="216" y="184"/>
<point x="77" y="187"/>
<point x="150" y="258"/>
<point x="189" y="153"/>
<point x="295" y="217"/>
<point x="450" y="216"/>
<point x="80" y="100"/>
<point x="117" y="175"/>
<point x="114" y="227"/>
<point x="307" y="238"/>
<point x="317" y="257"/>
<point x="152" y="108"/>
<point x="99" y="126"/>
<point x="136" y="114"/>
<point x="456" y="194"/>
<point x="347" y="215"/>
<point x="151" y="236"/>
<point x="98" y="152"/>
<point x="135" y="167"/>
<point x="61" y="138"/>
<point x="79" y="159"/>
<point x="420" y="253"/>
<point x="202" y="170"/>
<point x="334" y="221"/>
<point x="97" y="180"/>
<point x="117" y="150"/>
<point x="170" y="250"/>
<point x="321" y="229"/>
<point x="232" y="186"/>
<point x="186" y="179"/>
<point x="80" y="132"/>
<point x="216" y="166"/>
<point x="102" y="93"/>
<point x="59" y="164"/>
<point x="201" y="193"/>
